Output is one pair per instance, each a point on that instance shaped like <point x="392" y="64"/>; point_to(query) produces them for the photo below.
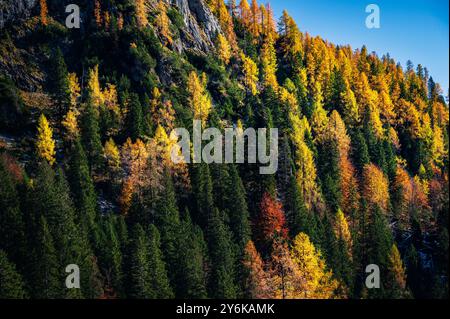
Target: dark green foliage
<point x="12" y="229"/>
<point x="11" y="283"/>
<point x="45" y="270"/>
<point x="85" y="197"/>
<point x="159" y="281"/>
<point x="222" y="281"/>
<point x="167" y="220"/>
<point x="192" y="254"/>
<point x="59" y="82"/>
<point x="297" y="216"/>
<point x="360" y="151"/>
<point x="135" y="124"/>
<point x="90" y="136"/>
<point x="138" y="283"/>
<point x="147" y="277"/>
<point x="11" y="105"/>
<point x="112" y="258"/>
<point x="329" y="173"/>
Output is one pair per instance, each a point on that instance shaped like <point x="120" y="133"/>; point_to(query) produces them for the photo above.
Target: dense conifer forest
<point x="86" y="175"/>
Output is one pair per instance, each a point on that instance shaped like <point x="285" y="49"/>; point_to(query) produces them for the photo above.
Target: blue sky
<point x="417" y="30"/>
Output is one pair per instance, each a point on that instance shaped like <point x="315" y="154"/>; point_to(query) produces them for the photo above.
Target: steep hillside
<point x="87" y="176"/>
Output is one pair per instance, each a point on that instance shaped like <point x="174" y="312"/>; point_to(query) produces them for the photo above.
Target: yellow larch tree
<point x="112" y="155"/>
<point x="375" y="186"/>
<point x="269" y="64"/>
<point x="254" y="26"/>
<point x="43" y="12"/>
<point x="45" y="144"/>
<point x="342" y="231"/>
<point x="438" y="152"/>
<point x="70" y="123"/>
<point x="227" y="26"/>
<point x="291" y="37"/>
<point x="337" y="132"/>
<point x="396" y="283"/>
<point x="315" y="281"/>
<point x="403" y="189"/>
<point x="199" y="98"/>
<point x="257" y="284"/>
<point x="223" y="49"/>
<point x="251" y="72"/>
<point x="95" y="92"/>
<point x="98" y="13"/>
<point x="349" y="105"/>
<point x="74" y="88"/>
<point x="319" y="117"/>
<point x="306" y="173"/>
<point x="111" y="101"/>
<point x="162" y="22"/>
<point x="244" y="9"/>
<point x="141" y="13"/>
<point x="268" y="26"/>
<point x="282" y="271"/>
<point x="134" y="158"/>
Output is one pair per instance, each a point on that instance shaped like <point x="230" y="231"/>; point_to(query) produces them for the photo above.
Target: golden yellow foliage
<point x="45" y="144"/>
<point x="70" y="123"/>
<point x="250" y="71"/>
<point x="397" y="271"/>
<point x="244" y="9"/>
<point x="227" y="26"/>
<point x="314" y="280"/>
<point x="112" y="155"/>
<point x="162" y="112"/>
<point x="199" y="99"/>
<point x="269" y="63"/>
<point x="438" y="151"/>
<point x="74" y="88"/>
<point x="162" y="22"/>
<point x="223" y="49"/>
<point x="141" y="13"/>
<point x="342" y="231"/>
<point x="375" y="186"/>
<point x="95" y="92"/>
<point x="254" y="26"/>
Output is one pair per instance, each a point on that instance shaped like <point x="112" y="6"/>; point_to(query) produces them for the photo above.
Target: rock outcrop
<point x="12" y="10"/>
<point x="201" y="26"/>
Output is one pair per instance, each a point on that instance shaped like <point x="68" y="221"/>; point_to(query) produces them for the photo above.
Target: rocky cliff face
<point x="201" y="26"/>
<point x="12" y="10"/>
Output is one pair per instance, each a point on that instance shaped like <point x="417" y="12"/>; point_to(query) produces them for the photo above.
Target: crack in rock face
<point x="201" y="26"/>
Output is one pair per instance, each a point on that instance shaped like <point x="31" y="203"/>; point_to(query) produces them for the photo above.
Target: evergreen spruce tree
<point x="192" y="255"/>
<point x="222" y="281"/>
<point x="84" y="194"/>
<point x="138" y="283"/>
<point x="90" y="136"/>
<point x="159" y="281"/>
<point x="329" y="173"/>
<point x="203" y="193"/>
<point x="112" y="260"/>
<point x="135" y="124"/>
<point x="11" y="283"/>
<point x="167" y="219"/>
<point x="12" y="228"/>
<point x="297" y="216"/>
<point x="60" y="82"/>
<point x="45" y="270"/>
<point x="360" y="151"/>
